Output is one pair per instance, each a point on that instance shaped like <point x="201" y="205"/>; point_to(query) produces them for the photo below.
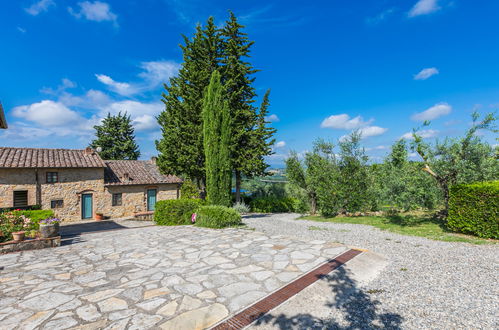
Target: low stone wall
<point x="31" y="244"/>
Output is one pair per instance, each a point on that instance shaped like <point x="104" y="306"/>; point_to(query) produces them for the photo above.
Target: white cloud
<point x="154" y="74"/>
<point x="121" y="88"/>
<point x="425" y="134"/>
<point x="426" y="73"/>
<point x="380" y="17"/>
<point x="145" y="123"/>
<point x="372" y="131"/>
<point x="368" y="131"/>
<point x="94" y="11"/>
<point x="158" y="72"/>
<point x="20" y="132"/>
<point x="47" y="113"/>
<point x="424" y="7"/>
<point x="22" y="30"/>
<point x="436" y="111"/>
<point x="65" y="84"/>
<point x="378" y="148"/>
<point x="272" y="118"/>
<point x="39" y="7"/>
<point x="280" y="144"/>
<point x="343" y="121"/>
<point x="133" y="108"/>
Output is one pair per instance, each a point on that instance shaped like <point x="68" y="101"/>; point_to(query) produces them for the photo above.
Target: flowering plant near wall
<point x="11" y="222"/>
<point x="50" y="221"/>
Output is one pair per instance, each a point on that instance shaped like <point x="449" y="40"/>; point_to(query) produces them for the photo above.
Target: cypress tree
<point x="181" y="146"/>
<point x="115" y="135"/>
<point x="216" y="133"/>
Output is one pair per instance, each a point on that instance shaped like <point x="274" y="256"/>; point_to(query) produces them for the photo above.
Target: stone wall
<point x="72" y="184"/>
<point x="17" y="179"/>
<point x="134" y="198"/>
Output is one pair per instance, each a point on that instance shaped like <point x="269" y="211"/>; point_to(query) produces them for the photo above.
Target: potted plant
<point x="32" y="234"/>
<point x="99" y="216"/>
<point x="18" y="236"/>
<point x="49" y="227"/>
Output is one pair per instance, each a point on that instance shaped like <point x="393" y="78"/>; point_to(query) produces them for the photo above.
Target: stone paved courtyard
<point x="154" y="277"/>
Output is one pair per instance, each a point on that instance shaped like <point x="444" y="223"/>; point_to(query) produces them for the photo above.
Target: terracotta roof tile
<point x="48" y="158"/>
<point x="130" y="172"/>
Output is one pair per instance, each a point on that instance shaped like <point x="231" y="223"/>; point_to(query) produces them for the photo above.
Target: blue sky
<point x="381" y="66"/>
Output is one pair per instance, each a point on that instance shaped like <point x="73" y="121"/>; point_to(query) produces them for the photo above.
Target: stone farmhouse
<point x="77" y="184"/>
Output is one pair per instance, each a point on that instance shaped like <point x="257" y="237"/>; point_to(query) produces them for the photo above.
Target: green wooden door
<point x="86" y="206"/>
<point x="151" y="199"/>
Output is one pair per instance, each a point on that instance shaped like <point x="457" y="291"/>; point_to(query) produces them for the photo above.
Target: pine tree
<point x="249" y="133"/>
<point x="181" y="146"/>
<point x="116" y="137"/>
<point x="216" y="133"/>
<point x="261" y="141"/>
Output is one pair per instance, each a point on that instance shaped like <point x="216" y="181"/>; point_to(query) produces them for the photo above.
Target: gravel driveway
<point x="427" y="284"/>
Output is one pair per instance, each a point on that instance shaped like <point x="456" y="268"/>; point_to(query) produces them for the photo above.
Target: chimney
<point x="89" y="151"/>
<point x="153" y="160"/>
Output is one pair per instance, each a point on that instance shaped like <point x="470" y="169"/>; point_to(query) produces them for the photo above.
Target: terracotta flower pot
<point x="50" y="230"/>
<point x="18" y="236"/>
<point x="99" y="216"/>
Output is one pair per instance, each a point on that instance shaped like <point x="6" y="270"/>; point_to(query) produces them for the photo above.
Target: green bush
<point x="176" y="211"/>
<point x="216" y="216"/>
<point x="474" y="209"/>
<point x="189" y="190"/>
<point x="36" y="215"/>
<point x="274" y="205"/>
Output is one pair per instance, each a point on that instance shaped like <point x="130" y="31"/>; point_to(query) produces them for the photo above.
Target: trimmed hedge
<point x="176" y="211"/>
<point x="474" y="209"/>
<point x="274" y="204"/>
<point x="216" y="216"/>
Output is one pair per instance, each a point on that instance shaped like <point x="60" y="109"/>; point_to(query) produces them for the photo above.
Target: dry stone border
<point x="166" y="277"/>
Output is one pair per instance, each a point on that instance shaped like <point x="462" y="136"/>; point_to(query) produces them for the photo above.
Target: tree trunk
<point x="202" y="188"/>
<point x="238" y="186"/>
<point x="313" y="205"/>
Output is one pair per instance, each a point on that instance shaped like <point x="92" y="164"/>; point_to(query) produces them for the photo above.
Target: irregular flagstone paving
<point x="155" y="277"/>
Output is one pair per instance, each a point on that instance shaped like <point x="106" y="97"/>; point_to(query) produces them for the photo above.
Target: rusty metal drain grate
<point x="259" y="309"/>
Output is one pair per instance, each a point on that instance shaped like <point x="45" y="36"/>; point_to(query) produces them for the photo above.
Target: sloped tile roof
<point x="131" y="172"/>
<point x="48" y="158"/>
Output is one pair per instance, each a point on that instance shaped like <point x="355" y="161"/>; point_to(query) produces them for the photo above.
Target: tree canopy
<point x="116" y="137"/>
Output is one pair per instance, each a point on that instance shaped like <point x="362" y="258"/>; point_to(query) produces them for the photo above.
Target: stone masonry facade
<point x="73" y="182"/>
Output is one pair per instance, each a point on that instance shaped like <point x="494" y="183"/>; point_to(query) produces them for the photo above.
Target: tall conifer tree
<point x="181" y="146"/>
<point x="217" y="133"/>
<point x="247" y="146"/>
<point x="115" y="136"/>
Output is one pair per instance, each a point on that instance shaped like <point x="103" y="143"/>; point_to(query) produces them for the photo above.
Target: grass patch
<point x="418" y="224"/>
<point x="316" y="228"/>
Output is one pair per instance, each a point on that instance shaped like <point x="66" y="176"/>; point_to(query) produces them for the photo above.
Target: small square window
<point x="52" y="177"/>
<point x="56" y="204"/>
<point x="117" y="199"/>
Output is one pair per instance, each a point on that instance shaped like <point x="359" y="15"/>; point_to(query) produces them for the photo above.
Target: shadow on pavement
<point x="70" y="234"/>
<point x="359" y="310"/>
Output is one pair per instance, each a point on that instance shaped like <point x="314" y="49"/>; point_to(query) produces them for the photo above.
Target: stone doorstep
<point x="30" y="244"/>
